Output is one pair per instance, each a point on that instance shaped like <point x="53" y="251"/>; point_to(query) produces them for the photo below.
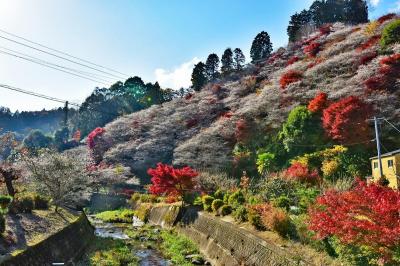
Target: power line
<point x="61" y="52"/>
<point x="398" y="130"/>
<point x="89" y="76"/>
<point x="54" y="64"/>
<point x="61" y="57"/>
<point x="54" y="99"/>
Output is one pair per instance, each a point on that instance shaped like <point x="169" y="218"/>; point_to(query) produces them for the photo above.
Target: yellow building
<point x="390" y="168"/>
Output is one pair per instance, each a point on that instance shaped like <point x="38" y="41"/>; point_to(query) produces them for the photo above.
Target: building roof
<point x="387" y="154"/>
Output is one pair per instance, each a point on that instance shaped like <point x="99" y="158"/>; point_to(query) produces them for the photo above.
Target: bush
<point x="275" y="187"/>
<point x="255" y="220"/>
<point x="255" y="199"/>
<point x="143" y="212"/>
<point x="312" y="49"/>
<point x="282" y="201"/>
<point x="386" y="17"/>
<point x="41" y="202"/>
<point x="2" y="224"/>
<point x="225" y="210"/>
<point x="135" y="197"/>
<point x="219" y="194"/>
<point x="22" y="204"/>
<point x="148" y="198"/>
<point x="277" y="220"/>
<point x="300" y="172"/>
<point x="290" y="77"/>
<point x="391" y="33"/>
<point x="240" y="214"/>
<point x="216" y="204"/>
<point x="236" y="199"/>
<point x="318" y="103"/>
<point x="207" y="202"/>
<point x="5" y="201"/>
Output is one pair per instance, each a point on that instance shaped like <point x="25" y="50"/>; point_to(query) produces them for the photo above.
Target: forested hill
<point x="313" y="94"/>
<point x="23" y="122"/>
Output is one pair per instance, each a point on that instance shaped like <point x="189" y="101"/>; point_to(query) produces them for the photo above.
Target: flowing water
<point x="148" y="257"/>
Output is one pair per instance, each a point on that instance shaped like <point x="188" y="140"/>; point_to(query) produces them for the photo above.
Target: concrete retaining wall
<point x="63" y="246"/>
<point x="223" y="243"/>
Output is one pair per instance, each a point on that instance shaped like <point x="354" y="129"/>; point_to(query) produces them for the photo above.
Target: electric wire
<point x="61" y="52"/>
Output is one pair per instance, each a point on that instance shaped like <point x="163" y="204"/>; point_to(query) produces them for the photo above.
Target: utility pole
<point x="66" y="114"/>
<point x="378" y="146"/>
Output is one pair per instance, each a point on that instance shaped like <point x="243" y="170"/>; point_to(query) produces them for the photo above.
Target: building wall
<point x="388" y="172"/>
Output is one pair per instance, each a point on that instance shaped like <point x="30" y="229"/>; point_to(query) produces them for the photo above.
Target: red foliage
<point x="242" y="130"/>
<point x="216" y="88"/>
<point x="312" y="49"/>
<point x="386" y="17"/>
<point x="192" y="122"/>
<point x="318" y="103"/>
<point x="368" y="57"/>
<point x="356" y="29"/>
<point x="389" y="72"/>
<point x="345" y="120"/>
<point x="290" y="77"/>
<point x="93" y="137"/>
<point x="366" y="215"/>
<point x="293" y="60"/>
<point x="325" y="29"/>
<point x="301" y="173"/>
<point x="310" y="40"/>
<point x="369" y="43"/>
<point x="167" y="180"/>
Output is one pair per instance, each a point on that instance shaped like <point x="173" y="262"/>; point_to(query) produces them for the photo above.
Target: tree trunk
<point x="9" y="185"/>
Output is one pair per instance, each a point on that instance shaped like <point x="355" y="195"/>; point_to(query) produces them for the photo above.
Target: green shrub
<point x="255" y="220"/>
<point x="226" y="197"/>
<point x="216" y="204"/>
<point x="117" y="216"/>
<point x="2" y="224"/>
<point x="149" y="198"/>
<point x="255" y="199"/>
<point x="219" y="194"/>
<point x="225" y="210"/>
<point x="177" y="247"/>
<point x="207" y="201"/>
<point x="281" y="202"/>
<point x="23" y="203"/>
<point x="306" y="197"/>
<point x="5" y="201"/>
<point x="197" y="201"/>
<point x="236" y="199"/>
<point x="240" y="214"/>
<point x="143" y="212"/>
<point x="391" y="33"/>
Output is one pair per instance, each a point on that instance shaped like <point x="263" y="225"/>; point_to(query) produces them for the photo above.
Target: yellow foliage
<point x="329" y="167"/>
<point x="371" y="28"/>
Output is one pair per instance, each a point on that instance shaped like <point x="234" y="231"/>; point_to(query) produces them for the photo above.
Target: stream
<point x="147" y="256"/>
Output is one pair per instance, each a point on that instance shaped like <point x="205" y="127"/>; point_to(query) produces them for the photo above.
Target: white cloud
<point x="374" y="2"/>
<point x="178" y="77"/>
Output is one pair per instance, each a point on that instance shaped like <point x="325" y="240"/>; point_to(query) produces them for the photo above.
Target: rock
<point x="207" y="263"/>
<point x="196" y="259"/>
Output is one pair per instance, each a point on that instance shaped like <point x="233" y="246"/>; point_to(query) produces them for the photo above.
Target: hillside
<point x="199" y="130"/>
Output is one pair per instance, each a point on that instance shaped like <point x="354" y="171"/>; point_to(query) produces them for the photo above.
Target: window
<point x="375" y="165"/>
<point x="390" y="163"/>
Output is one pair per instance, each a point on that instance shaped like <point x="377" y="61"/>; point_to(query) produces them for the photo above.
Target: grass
<point x="176" y="247"/>
<point x="117" y="216"/>
<point x="110" y="252"/>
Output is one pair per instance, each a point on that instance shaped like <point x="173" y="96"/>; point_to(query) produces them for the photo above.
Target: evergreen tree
<point x="199" y="78"/>
<point x="238" y="59"/>
<point x="297" y="22"/>
<point x="356" y="11"/>
<point x="212" y="65"/>
<point x="227" y="62"/>
<point x="261" y="47"/>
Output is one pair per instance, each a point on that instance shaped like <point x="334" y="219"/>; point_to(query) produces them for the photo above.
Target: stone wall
<point x="62" y="247"/>
<point x="221" y="242"/>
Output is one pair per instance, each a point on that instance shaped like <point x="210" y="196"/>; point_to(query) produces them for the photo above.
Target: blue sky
<point x="154" y="39"/>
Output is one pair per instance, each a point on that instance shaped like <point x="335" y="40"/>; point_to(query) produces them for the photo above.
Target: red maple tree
<point x="170" y="181"/>
<point x="318" y="103"/>
<point x="345" y="120"/>
<point x="366" y="215"/>
<point x="299" y="172"/>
